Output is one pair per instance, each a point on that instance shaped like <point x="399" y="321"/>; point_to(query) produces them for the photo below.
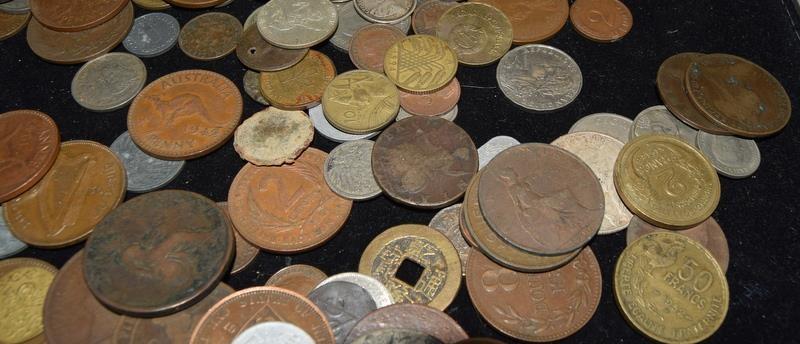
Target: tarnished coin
<point x="449" y="115"/>
<point x="252" y="86"/>
<point x="86" y="182"/>
<point x="602" y="21"/>
<point x="360" y="101"/>
<point x="300" y="86"/>
<point x="420" y="63"/>
<point x="29" y="144"/>
<point x="298" y="278"/>
<point x="185" y="114"/>
<point x="446" y="221"/>
<point x="410" y="317"/>
<point x="424" y="162"/>
<point x="396" y="336"/>
<point x="666" y="181"/>
<point x="387" y="11"/>
<point x="152" y="35"/>
<point x="15" y="7"/>
<point x="432" y="104"/>
<point x="476" y="340"/>
<point x="24" y="283"/>
<point x="245" y="252"/>
<point x="668" y="271"/>
<point x="611" y="124"/>
<point x="350" y="21"/>
<point x="541" y="198"/>
<point x="290" y="24"/>
<point x="273" y="332"/>
<point x="327" y="130"/>
<point x="152" y="5"/>
<point x="343" y="304"/>
<point x="429" y="251"/>
<point x="11" y="24"/>
<point x="144" y="172"/>
<point x="600" y="152"/>
<point x="210" y="36"/>
<point x="708" y="233"/>
<point x="731" y="156"/>
<point x="109" y="82"/>
<point x="195" y="3"/>
<point x="348" y="171"/>
<point x="658" y="120"/>
<point x="427" y="15"/>
<point x="536" y="307"/>
<point x="273" y="136"/>
<point x="479" y="34"/>
<point x="158" y="253"/>
<point x="533" y="21"/>
<point x="377" y="290"/>
<point x="369" y="45"/>
<point x="9" y="244"/>
<point x="256" y="53"/>
<point x="494" y="146"/>
<point x="251" y="19"/>
<point x="539" y="77"/>
<point x="76" y="15"/>
<point x="463" y="226"/>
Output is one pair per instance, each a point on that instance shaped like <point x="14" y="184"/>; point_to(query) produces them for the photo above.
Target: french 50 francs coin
<point x="360" y="101"/>
<point x="611" y="124"/>
<point x="327" y="130"/>
<point x="210" y="36"/>
<point x="144" y="172"/>
<point x="348" y="171"/>
<point x="343" y="304"/>
<point x="9" y="244"/>
<point x="478" y="33"/>
<point x="494" y="146"/>
<point x="24" y="283"/>
<point x="670" y="288"/>
<point x="377" y="290"/>
<point x="295" y="25"/>
<point x="387" y="11"/>
<point x="733" y="157"/>
<point x="273" y="332"/>
<point x="152" y="35"/>
<point x="350" y="21"/>
<point x="252" y="86"/>
<point x="420" y="63"/>
<point x="109" y="82"/>
<point x="539" y="77"/>
<point x="447" y="222"/>
<point x="658" y="120"/>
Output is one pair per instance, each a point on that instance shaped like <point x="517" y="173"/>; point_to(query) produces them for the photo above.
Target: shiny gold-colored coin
<point x="479" y="33"/>
<point x="300" y="86"/>
<point x="152" y="5"/>
<point x="666" y="181"/>
<point x="23" y="287"/>
<point x="360" y="102"/>
<point x="670" y="288"/>
<point x="420" y="63"/>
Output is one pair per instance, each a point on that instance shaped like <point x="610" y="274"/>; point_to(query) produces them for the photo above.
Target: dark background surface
<point x="758" y="214"/>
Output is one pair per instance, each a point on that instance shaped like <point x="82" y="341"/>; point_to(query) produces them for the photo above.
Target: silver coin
<point x="327" y="130"/>
<point x="494" y="146"/>
<point x="658" y="120"/>
<point x="251" y="19"/>
<point x="292" y="24"/>
<point x="252" y="86"/>
<point x="343" y="304"/>
<point x="386" y="11"/>
<point x="152" y="35"/>
<point x="9" y="244"/>
<point x="375" y="288"/>
<point x="350" y="21"/>
<point x="109" y="82"/>
<point x="600" y="152"/>
<point x="611" y="124"/>
<point x="348" y="171"/>
<point x="539" y="77"/>
<point x="145" y="173"/>
<point x="731" y="156"/>
<point x="449" y="115"/>
<point x="396" y="336"/>
<point x="446" y="221"/>
<point x="273" y="332"/>
<point x="15" y="7"/>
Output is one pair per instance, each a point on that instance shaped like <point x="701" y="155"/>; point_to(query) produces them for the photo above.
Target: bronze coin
<point x="245" y="252"/>
<point x="71" y="313"/>
<point x="24" y="283"/>
<point x="210" y="36"/>
<point x="11" y="24"/>
<point x="29" y="147"/>
<point x="245" y="308"/>
<point x="185" y="114"/>
<point x="195" y="3"/>
<point x="533" y="21"/>
<point x="369" y="45"/>
<point x="602" y="21"/>
<point x="298" y="278"/>
<point x="258" y="54"/>
<point x="77" y="47"/>
<point x="424" y="162"/>
<point x="300" y="86"/>
<point x="75" y="15"/>
<point x="412" y="317"/>
<point x="541" y="199"/>
<point x="434" y="103"/>
<point x="86" y="182"/>
<point x="462" y="225"/>
<point x="158" y="253"/>
<point x="535" y="307"/>
<point x="427" y="14"/>
<point x="289" y="208"/>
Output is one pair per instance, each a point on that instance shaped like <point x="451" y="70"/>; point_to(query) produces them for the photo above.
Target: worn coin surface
<point x="708" y="233"/>
<point x="539" y="77"/>
<point x="411" y="317"/>
<point x="144" y="172"/>
<point x="300" y="86"/>
<point x="731" y="156"/>
<point x="11" y="24"/>
<point x="15" y="7"/>
<point x="9" y="244"/>
<point x="29" y="144"/>
<point x="427" y="15"/>
<point x="24" y="283"/>
<point x="256" y="53"/>
<point x="658" y="120"/>
<point x="369" y="45"/>
<point x="494" y="146"/>
<point x="533" y="21"/>
<point x="252" y="86"/>
<point x="396" y="336"/>
<point x="152" y="35"/>
<point x="350" y="21"/>
<point x="420" y="63"/>
<point x="387" y="11"/>
<point x="343" y="304"/>
<point x="291" y="24"/>
<point x="360" y="101"/>
<point x="152" y="5"/>
<point x="446" y="221"/>
<point x="210" y="36"/>
<point x="348" y="171"/>
<point x="327" y="130"/>
<point x="75" y="15"/>
<point x="611" y="124"/>
<point x="245" y="252"/>
<point x="602" y="21"/>
<point x="432" y="104"/>
<point x="273" y="136"/>
<point x="273" y="332"/>
<point x="298" y="278"/>
<point x="109" y="82"/>
<point x="377" y="290"/>
<point x="479" y="34"/>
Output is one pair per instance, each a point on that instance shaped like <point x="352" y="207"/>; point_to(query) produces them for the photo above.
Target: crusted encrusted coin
<point x="420" y="63"/>
<point x="300" y="86"/>
<point x="708" y="233"/>
<point x="152" y="35"/>
<point x="360" y="101"/>
<point x="478" y="33"/>
<point x="385" y="11"/>
<point x="733" y="157"/>
<point x="611" y="124"/>
<point x="273" y="136"/>
<point x="252" y="86"/>
<point x="273" y="332"/>
<point x="350" y="21"/>
<point x="494" y="146"/>
<point x="144" y="172"/>
<point x="343" y="304"/>
<point x="109" y="82"/>
<point x="294" y="24"/>
<point x="256" y="53"/>
<point x="9" y="244"/>
<point x="539" y="77"/>
<point x="327" y="130"/>
<point x="377" y="290"/>
<point x="447" y="221"/>
<point x="348" y="170"/>
<point x="210" y="36"/>
<point x="658" y="120"/>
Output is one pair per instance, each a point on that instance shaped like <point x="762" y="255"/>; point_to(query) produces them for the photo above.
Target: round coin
<point x="76" y="15"/>
<point x="446" y="221"/>
<point x="388" y="11"/>
<point x="533" y="21"/>
<point x="380" y="295"/>
<point x="369" y="45"/>
<point x="420" y="63"/>
<point x="601" y="21"/>
<point x="298" y="278"/>
<point x="731" y="156"/>
<point x="539" y="77"/>
<point x="24" y="283"/>
<point x="350" y="21"/>
<point x="245" y="252"/>
<point x="616" y="126"/>
<point x="30" y="144"/>
<point x="410" y="317"/>
<point x="195" y="3"/>
<point x="708" y="233"/>
<point x="9" y="244"/>
<point x="479" y="34"/>
<point x="343" y="304"/>
<point x="360" y="102"/>
<point x="256" y="53"/>
<point x="273" y="332"/>
<point x="494" y="146"/>
<point x="152" y="35"/>
<point x="273" y="136"/>
<point x="144" y="172"/>
<point x="152" y="5"/>
<point x="327" y="130"/>
<point x="15" y="7"/>
<point x="252" y="86"/>
<point x="300" y="86"/>
<point x="432" y="104"/>
<point x="109" y="82"/>
<point x="396" y="336"/>
<point x="658" y="120"/>
<point x="210" y="36"/>
<point x="427" y="15"/>
<point x="348" y="171"/>
<point x="11" y="24"/>
<point x="295" y="25"/>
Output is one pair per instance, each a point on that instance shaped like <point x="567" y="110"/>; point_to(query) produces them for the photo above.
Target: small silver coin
<point x="273" y="332"/>
<point x="145" y="173"/>
<point x="658" y="120"/>
<point x="449" y="115"/>
<point x="15" y="7"/>
<point x="252" y="86"/>
<point x="9" y="244"/>
<point x="350" y="21"/>
<point x="494" y="146"/>
<point x="327" y="130"/>
<point x="109" y="82"/>
<point x="396" y="336"/>
<point x="385" y="11"/>
<point x="731" y="156"/>
<point x="447" y="222"/>
<point x="539" y="77"/>
<point x="380" y="295"/>
<point x="611" y="124"/>
<point x="343" y="304"/>
<point x="152" y="35"/>
<point x="291" y="24"/>
<point x="348" y="171"/>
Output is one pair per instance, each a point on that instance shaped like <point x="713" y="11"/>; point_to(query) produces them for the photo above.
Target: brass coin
<point x="478" y="33"/>
<point x="420" y="63"/>
<point x="152" y="5"/>
<point x="300" y="86"/>
<point x="23" y="288"/>
<point x="11" y="24"/>
<point x="670" y="288"/>
<point x="666" y="181"/>
<point x="360" y="102"/>
<point x="533" y="21"/>
<point x="299" y="278"/>
<point x="210" y="36"/>
<point x="708" y="233"/>
<point x="256" y="53"/>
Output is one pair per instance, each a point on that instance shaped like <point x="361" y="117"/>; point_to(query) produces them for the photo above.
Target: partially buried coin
<point x="9" y="244"/>
<point x="300" y="86"/>
<point x="295" y="25"/>
<point x="611" y="124"/>
<point x="245" y="252"/>
<point x="420" y="63"/>
<point x="109" y="82"/>
<point x="348" y="171"/>
<point x="210" y="36"/>
<point x="478" y="33"/>
<point x="533" y="21"/>
<point x="273" y="332"/>
<point x="299" y="278"/>
<point x="252" y="86"/>
<point x="30" y="144"/>
<point x="733" y="157"/>
<point x="350" y="21"/>
<point x="369" y="45"/>
<point x="427" y="15"/>
<point x="446" y="221"/>
<point x="376" y="290"/>
<point x="327" y="130"/>
<point x="273" y="137"/>
<point x="258" y="54"/>
<point x="616" y="19"/>
<point x="432" y="104"/>
<point x="658" y="120"/>
<point x="24" y="283"/>
<point x="388" y="12"/>
<point x="494" y="146"/>
<point x="11" y="24"/>
<point x="418" y="318"/>
<point x="396" y="336"/>
<point x="152" y="35"/>
<point x="76" y="15"/>
<point x="144" y="172"/>
<point x="708" y="233"/>
<point x="343" y="305"/>
<point x="525" y="71"/>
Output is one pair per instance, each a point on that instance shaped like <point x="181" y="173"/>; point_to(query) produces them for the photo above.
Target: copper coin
<point x="185" y="114"/>
<point x="245" y="308"/>
<point x="369" y="45"/>
<point x="76" y="47"/>
<point x="71" y="312"/>
<point x="24" y="283"/>
<point x="245" y="252"/>
<point x="158" y="253"/>
<point x="210" y="36"/>
<point x="256" y="53"/>
<point x="427" y="14"/>
<point x="195" y="3"/>
<point x="11" y="24"/>
<point x="541" y="199"/>
<point x="29" y="144"/>
<point x="481" y="341"/>
<point x="535" y="307"/>
<point x="86" y="182"/>
<point x="75" y="15"/>
<point x="431" y="104"/>
<point x="289" y="208"/>
<point x="602" y="21"/>
<point x="300" y="86"/>
<point x="424" y="162"/>
<point x="412" y="317"/>
<point x="462" y="225"/>
<point x="298" y="278"/>
<point x="533" y="21"/>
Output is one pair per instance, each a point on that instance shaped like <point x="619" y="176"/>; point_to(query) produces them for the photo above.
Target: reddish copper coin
<point x="533" y="21"/>
<point x="245" y="252"/>
<point x="195" y="3"/>
<point x="75" y="15"/>
<point x="425" y="162"/>
<point x="298" y="278"/>
<point x="369" y="45"/>
<point x="412" y="317"/>
<point x="245" y="308"/>
<point x="29" y="147"/>
<point x="427" y="14"/>
<point x="431" y="104"/>
<point x="185" y="115"/>
<point x="288" y="208"/>
<point x="11" y="24"/>
<point x="602" y="21"/>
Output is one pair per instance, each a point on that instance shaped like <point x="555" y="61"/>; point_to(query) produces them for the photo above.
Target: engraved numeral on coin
<point x="700" y="282"/>
<point x="502" y="278"/>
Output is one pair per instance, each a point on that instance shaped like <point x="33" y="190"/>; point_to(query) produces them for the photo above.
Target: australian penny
<point x="258" y="54"/>
<point x="533" y="21"/>
<point x="708" y="233"/>
<point x="210" y="36"/>
<point x="412" y="317"/>
<point x="434" y="103"/>
<point x="299" y="278"/>
<point x="273" y="136"/>
<point x="300" y="86"/>
<point x="75" y="15"/>
<point x="369" y="45"/>
<point x="245" y="252"/>
<point x="601" y="20"/>
<point x="24" y="283"/>
<point x="30" y="144"/>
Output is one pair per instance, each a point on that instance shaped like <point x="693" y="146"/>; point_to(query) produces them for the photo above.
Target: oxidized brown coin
<point x="75" y="15"/>
<point x="298" y="278"/>
<point x="541" y="199"/>
<point x="424" y="162"/>
<point x="86" y="182"/>
<point x="256" y="53"/>
<point x="410" y="317"/>
<point x="533" y="21"/>
<point x="195" y="3"/>
<point x="245" y="252"/>
<point x="11" y="24"/>
<point x="210" y="36"/>
<point x="24" y="283"/>
<point x="185" y="114"/>
<point x="462" y="225"/>
<point x="300" y="86"/>
<point x="245" y="308"/>
<point x="431" y="104"/>
<point x="158" y="253"/>
<point x="427" y="14"/>
<point x="535" y="307"/>
<point x="708" y="233"/>
<point x="29" y="144"/>
<point x="369" y="45"/>
<point x="602" y="21"/>
<point x="289" y="208"/>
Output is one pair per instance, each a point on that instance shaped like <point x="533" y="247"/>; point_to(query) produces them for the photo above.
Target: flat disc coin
<point x="245" y="252"/>
<point x="350" y="21"/>
<point x="252" y="86"/>
<point x="731" y="156"/>
<point x="611" y="124"/>
<point x="11" y="24"/>
<point x="76" y="15"/>
<point x="273" y="136"/>
<point x="273" y="332"/>
<point x="533" y="21"/>
<point x="30" y="144"/>
<point x="152" y="35"/>
<point x="360" y="102"/>
<point x="295" y="25"/>
<point x="258" y="54"/>
<point x="427" y="14"/>
<point x="388" y="12"/>
<point x="195" y="3"/>
<point x="348" y="171"/>
<point x="343" y="304"/>
<point x="446" y="221"/>
<point x="708" y="233"/>
<point x="539" y="77"/>
<point x="15" y="7"/>
<point x="479" y="34"/>
<point x="411" y="317"/>
<point x="369" y="45"/>
<point x="494" y="146"/>
<point x="298" y="278"/>
<point x="377" y="290"/>
<point x="396" y="336"/>
<point x="144" y="172"/>
<point x="434" y="103"/>
<point x="9" y="244"/>
<point x="24" y="283"/>
<point x="300" y="86"/>
<point x="420" y="63"/>
<point x="109" y="82"/>
<point x="210" y="36"/>
<point x="450" y="115"/>
<point x="327" y="130"/>
<point x="616" y="21"/>
<point x="658" y="120"/>
<point x="152" y="5"/>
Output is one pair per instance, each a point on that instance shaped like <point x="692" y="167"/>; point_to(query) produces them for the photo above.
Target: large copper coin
<point x="158" y="253"/>
<point x="412" y="317"/>
<point x="431" y="104"/>
<point x="289" y="208"/>
<point x="195" y="3"/>
<point x="11" y="24"/>
<point x="24" y="283"/>
<point x="29" y="144"/>
<point x="185" y="115"/>
<point x="245" y="252"/>
<point x="541" y="198"/>
<point x="424" y="162"/>
<point x="75" y="15"/>
<point x="300" y="86"/>
<point x="708" y="233"/>
<point x="533" y="21"/>
<point x="535" y="307"/>
<point x="369" y="45"/>
<point x="298" y="278"/>
<point x="602" y="21"/>
<point x="245" y="308"/>
<point x="256" y="53"/>
<point x="86" y="182"/>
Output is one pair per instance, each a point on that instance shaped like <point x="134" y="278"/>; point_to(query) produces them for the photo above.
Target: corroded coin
<point x="708" y="233"/>
<point x="424" y="162"/>
<point x="602" y="21"/>
<point x="152" y="5"/>
<point x="287" y="208"/>
<point x="396" y="336"/>
<point x="541" y="198"/>
<point x="432" y="104"/>
<point x="144" y="172"/>
<point x="252" y="86"/>
<point x="75" y="15"/>
<point x="109" y="82"/>
<point x="29" y="144"/>
<point x="419" y="245"/>
<point x="245" y="252"/>
<point x="273" y="332"/>
<point x="670" y="288"/>
<point x="427" y="15"/>
<point x="290" y="24"/>
<point x="411" y="317"/>
<point x="210" y="36"/>
<point x="611" y="124"/>
<point x="195" y="3"/>
<point x="420" y="63"/>
<point x="479" y="34"/>
<point x="327" y="130"/>
<point x="375" y="288"/>
<point x="494" y="146"/>
<point x="11" y="24"/>
<point x="387" y="11"/>
<point x="299" y="278"/>
<point x="731" y="156"/>
<point x="360" y="102"/>
<point x="350" y="21"/>
<point x="9" y="244"/>
<point x="447" y="221"/>
<point x="152" y="35"/>
<point x="343" y="304"/>
<point x="348" y="171"/>
<point x="256" y="53"/>
<point x="658" y="120"/>
<point x="24" y="283"/>
<point x="86" y="182"/>
<point x="273" y="136"/>
<point x="300" y="86"/>
<point x="369" y="45"/>
<point x="539" y="77"/>
<point x="533" y="21"/>
<point x="185" y="114"/>
<point x="158" y="253"/>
